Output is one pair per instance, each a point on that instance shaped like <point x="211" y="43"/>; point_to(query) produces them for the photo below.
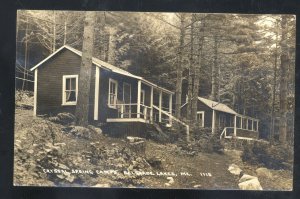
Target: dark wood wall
<point x="65" y="62"/>
<point x="50" y="83"/>
<point x="104" y="110"/>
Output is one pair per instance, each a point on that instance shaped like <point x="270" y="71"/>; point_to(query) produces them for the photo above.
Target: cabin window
<point x="255" y="125"/>
<point x="222" y="121"/>
<point x="113" y="93"/>
<point x="142" y="97"/>
<point x="244" y="124"/>
<point x="70" y="89"/>
<point x="200" y="118"/>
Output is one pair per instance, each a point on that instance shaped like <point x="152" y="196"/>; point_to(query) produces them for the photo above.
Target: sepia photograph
<point x="162" y="100"/>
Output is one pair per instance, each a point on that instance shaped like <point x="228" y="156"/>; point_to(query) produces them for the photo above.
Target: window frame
<point x="223" y="118"/>
<point x="116" y="93"/>
<point x="142" y="102"/>
<point x="127" y="84"/>
<point x="64" y="82"/>
<point x="203" y="116"/>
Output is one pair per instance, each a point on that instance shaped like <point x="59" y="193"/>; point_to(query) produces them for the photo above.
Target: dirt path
<point x="207" y="171"/>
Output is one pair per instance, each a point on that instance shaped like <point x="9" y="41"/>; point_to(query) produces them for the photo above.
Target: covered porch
<point x="244" y="127"/>
<point x="147" y="103"/>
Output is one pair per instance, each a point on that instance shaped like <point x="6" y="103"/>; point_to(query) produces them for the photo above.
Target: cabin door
<point x="127" y="100"/>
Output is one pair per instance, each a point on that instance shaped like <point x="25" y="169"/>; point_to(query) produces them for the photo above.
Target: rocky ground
<point x="50" y="153"/>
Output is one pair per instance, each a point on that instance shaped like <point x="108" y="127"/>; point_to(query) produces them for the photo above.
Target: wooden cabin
<point x="224" y="120"/>
<point x="117" y="96"/>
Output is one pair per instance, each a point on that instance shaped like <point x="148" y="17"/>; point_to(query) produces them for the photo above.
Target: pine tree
<point x="82" y="107"/>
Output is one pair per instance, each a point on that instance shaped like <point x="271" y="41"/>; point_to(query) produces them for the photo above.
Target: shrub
<point x="203" y="140"/>
<point x="271" y="156"/>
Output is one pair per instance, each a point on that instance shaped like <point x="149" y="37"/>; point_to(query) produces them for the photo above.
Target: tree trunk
<point x="82" y="107"/>
<point x="191" y="74"/>
<point x="54" y="33"/>
<point x="214" y="84"/>
<point x="283" y="81"/>
<point x="272" y="132"/>
<point x="197" y="73"/>
<point x="178" y="92"/>
<point x="112" y="47"/>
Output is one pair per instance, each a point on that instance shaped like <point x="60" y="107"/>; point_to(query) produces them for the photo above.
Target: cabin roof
<point x="217" y="106"/>
<point x="103" y="65"/>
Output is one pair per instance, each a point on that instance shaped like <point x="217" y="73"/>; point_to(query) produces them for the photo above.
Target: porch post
<point x="170" y="109"/>
<point x="151" y="105"/>
<point x="257" y="126"/>
<point x="35" y="91"/>
<point x="213" y="122"/>
<point x="252" y="125"/>
<point x="247" y="124"/>
<point x="139" y="99"/>
<point x="234" y="132"/>
<point x="96" y="100"/>
<point x="160" y="105"/>
<point x="242" y="122"/>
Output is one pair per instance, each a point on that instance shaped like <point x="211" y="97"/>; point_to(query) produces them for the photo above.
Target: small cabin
<point x="117" y="96"/>
<point x="224" y="120"/>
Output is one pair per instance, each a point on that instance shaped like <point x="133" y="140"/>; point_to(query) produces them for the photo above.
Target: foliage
<point x="148" y="44"/>
<point x="270" y="156"/>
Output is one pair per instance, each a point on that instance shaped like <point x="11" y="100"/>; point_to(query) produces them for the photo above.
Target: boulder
<point x="134" y="139"/>
<point x="63" y="118"/>
<point x="102" y="185"/>
<point x="264" y="173"/>
<point x="80" y="132"/>
<point x="155" y="162"/>
<point x="197" y="186"/>
<point x="234" y="169"/>
<point x="252" y="184"/>
<point x="66" y="118"/>
<point x="171" y="181"/>
<point x="246" y="177"/>
<point x="97" y="130"/>
<point x="139" y="147"/>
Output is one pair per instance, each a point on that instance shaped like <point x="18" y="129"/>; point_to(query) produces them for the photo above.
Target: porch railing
<point x="228" y="132"/>
<point x="130" y="111"/>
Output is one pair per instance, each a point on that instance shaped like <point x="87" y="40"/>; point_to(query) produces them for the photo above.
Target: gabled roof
<point x="217" y="106"/>
<point x="103" y="65"/>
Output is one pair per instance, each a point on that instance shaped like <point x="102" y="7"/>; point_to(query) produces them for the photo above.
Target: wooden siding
<point x="124" y="129"/>
<point x="207" y="113"/>
<point x="50" y="81"/>
<point x="65" y="62"/>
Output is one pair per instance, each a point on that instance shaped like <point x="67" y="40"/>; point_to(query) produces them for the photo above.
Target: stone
<point x="134" y="139"/>
<point x="95" y="129"/>
<point x="102" y="185"/>
<point x="63" y="118"/>
<point x="138" y="147"/>
<point x="264" y="173"/>
<point x="197" y="186"/>
<point x="155" y="162"/>
<point x="250" y="185"/>
<point x="171" y="181"/>
<point x="246" y="177"/>
<point x="234" y="169"/>
<point x="80" y="131"/>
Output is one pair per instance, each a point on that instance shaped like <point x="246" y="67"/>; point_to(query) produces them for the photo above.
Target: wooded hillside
<point x="244" y="61"/>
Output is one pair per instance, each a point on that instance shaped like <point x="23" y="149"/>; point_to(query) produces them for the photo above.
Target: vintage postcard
<point x="154" y="100"/>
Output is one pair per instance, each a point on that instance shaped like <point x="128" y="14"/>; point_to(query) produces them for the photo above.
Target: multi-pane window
<point x="222" y="121"/>
<point x="142" y="97"/>
<point x="113" y="93"/>
<point x="70" y="89"/>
